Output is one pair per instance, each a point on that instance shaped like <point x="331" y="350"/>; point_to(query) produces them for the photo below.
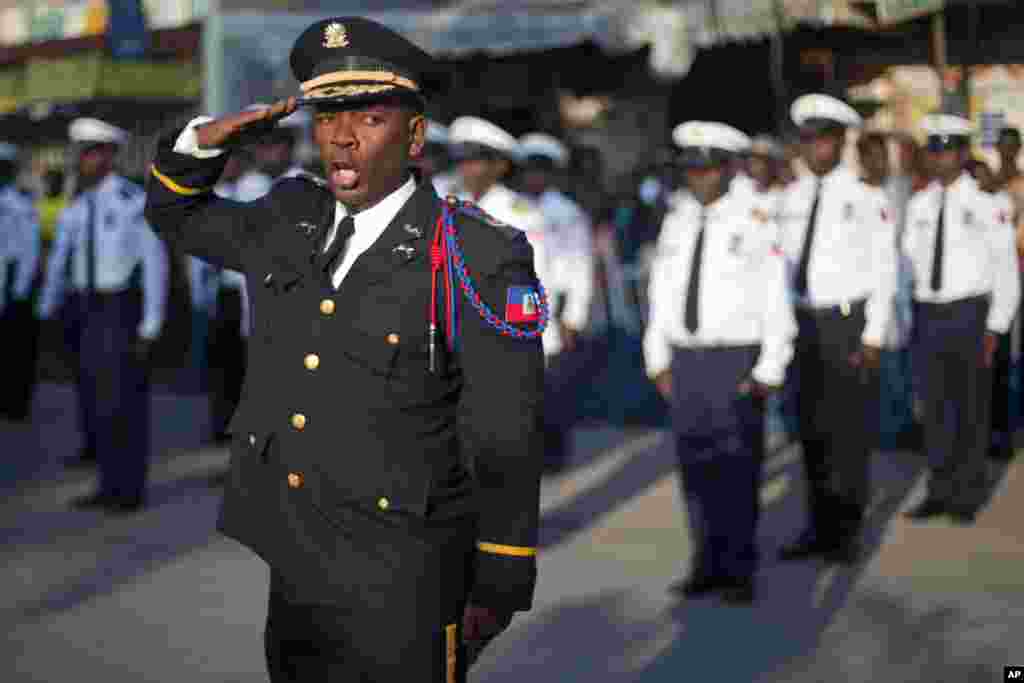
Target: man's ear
<point x="417" y="135"/>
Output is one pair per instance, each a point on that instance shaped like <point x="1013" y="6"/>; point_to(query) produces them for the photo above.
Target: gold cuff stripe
<point x="359" y="76"/>
<point x="512" y="550"/>
<point x="451" y="652"/>
<point x="175" y="187"/>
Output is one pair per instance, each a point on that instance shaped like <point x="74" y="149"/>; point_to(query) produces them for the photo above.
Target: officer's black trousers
<point x="838" y="412"/>
<point x="392" y="613"/>
<point x="226" y="355"/>
<point x="948" y="341"/>
<point x="20" y="330"/>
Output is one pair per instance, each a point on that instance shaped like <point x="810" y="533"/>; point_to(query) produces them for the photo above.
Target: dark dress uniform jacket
<point x="339" y="408"/>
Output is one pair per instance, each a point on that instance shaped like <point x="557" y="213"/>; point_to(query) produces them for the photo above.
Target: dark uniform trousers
<point x="720" y="446"/>
<point x="226" y="357"/>
<point x="838" y="410"/>
<point x="20" y="330"/>
<point x="948" y="341"/>
<point x="113" y="387"/>
<point x="382" y="496"/>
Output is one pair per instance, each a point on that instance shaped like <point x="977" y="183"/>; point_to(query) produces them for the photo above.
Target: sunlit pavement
<point x="160" y="597"/>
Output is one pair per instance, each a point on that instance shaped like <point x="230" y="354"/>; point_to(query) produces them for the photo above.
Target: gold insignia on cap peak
<point x="335" y="35"/>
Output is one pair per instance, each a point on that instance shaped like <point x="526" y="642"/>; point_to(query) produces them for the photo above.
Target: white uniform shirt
<point x="123" y="240"/>
<point x="853" y="255"/>
<point x="979" y="254"/>
<point x="570" y="244"/>
<point x="19" y="244"/>
<point x="744" y="297"/>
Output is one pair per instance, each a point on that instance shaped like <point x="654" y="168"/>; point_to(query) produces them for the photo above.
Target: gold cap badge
<point x="335" y="35"/>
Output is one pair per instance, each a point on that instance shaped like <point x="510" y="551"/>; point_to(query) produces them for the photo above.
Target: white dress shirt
<point x="853" y="254"/>
<point x="744" y="297"/>
<point x="570" y="243"/>
<point x="19" y="244"/>
<point x="979" y="253"/>
<point x="123" y="240"/>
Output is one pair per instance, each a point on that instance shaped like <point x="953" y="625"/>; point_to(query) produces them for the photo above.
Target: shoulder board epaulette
<point x="471" y="210"/>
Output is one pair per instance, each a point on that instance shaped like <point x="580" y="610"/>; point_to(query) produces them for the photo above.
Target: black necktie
<point x="90" y="245"/>
<point x="805" y="252"/>
<point x="693" y="289"/>
<point x="327" y="260"/>
<point x="940" y="246"/>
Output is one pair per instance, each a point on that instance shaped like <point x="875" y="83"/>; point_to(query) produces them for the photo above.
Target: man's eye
<point x="372" y="119"/>
<point x="324" y="117"/>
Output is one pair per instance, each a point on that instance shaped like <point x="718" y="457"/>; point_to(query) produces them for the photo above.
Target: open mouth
<point x="343" y="175"/>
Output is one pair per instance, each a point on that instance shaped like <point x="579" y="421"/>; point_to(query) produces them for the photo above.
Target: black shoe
<point x="806" y="546"/>
<point x="125" y="506"/>
<point x="696" y="585"/>
<point x="84" y="458"/>
<point x="740" y="593"/>
<point x="963" y="517"/>
<point x="846" y="553"/>
<point x="93" y="501"/>
<point x="929" y="509"/>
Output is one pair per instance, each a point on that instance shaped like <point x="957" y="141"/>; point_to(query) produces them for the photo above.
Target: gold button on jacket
<point x="312" y="361"/>
<point x="327" y="306"/>
<point x="298" y="420"/>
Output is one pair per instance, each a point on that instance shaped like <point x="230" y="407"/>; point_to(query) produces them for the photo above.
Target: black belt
<point x="844" y="309"/>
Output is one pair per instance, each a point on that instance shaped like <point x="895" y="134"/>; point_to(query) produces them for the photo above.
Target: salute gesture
<point x="234" y="130"/>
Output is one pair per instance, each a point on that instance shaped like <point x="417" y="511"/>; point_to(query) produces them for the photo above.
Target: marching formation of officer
<point x="838" y="237"/>
<point x="107" y="280"/>
<point x="959" y="242"/>
<point x="717" y="344"/>
<point x="19" y="270"/>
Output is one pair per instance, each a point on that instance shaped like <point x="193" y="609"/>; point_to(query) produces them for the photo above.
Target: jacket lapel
<point x="302" y="235"/>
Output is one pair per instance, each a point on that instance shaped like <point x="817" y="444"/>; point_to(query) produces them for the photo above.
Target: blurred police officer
<point x="568" y="243"/>
<point x="960" y="242"/>
<point x="435" y="163"/>
<point x="114" y="271"/>
<point x="389" y="476"/>
<point x="718" y="342"/>
<point x="838" y="238"/>
<point x="19" y="267"/>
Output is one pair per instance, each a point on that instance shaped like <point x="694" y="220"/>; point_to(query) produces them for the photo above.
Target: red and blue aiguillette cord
<point x="447" y="261"/>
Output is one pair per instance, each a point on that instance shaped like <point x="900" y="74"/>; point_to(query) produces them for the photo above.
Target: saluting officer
<point x="959" y="241"/>
<point x="718" y="343"/>
<point x="839" y="239"/>
<point x="388" y="475"/>
<point x="117" y="272"/>
<point x="19" y="266"/>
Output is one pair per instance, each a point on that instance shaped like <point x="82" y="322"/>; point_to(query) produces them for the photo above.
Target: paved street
<point x="160" y="597"/>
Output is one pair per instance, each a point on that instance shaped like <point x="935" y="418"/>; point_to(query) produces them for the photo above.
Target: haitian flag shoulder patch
<point x="522" y="304"/>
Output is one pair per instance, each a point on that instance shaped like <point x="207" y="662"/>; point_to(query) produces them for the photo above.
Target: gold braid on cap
<point x="351" y="83"/>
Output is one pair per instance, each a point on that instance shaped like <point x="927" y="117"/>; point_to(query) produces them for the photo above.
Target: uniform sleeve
<point x="881" y="302"/>
<point x="28" y="263"/>
<point x="579" y="278"/>
<point x="183" y="210"/>
<point x="155" y="284"/>
<point x="1005" y="278"/>
<point x="657" y="348"/>
<point x="53" y="285"/>
<point x="778" y="324"/>
<point x="498" y="420"/>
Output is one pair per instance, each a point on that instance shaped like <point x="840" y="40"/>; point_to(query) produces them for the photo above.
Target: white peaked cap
<point x="544" y="145"/>
<point x="86" y="130"/>
<point x="946" y="125"/>
<point x="818" y="106"/>
<point x="712" y="135"/>
<point x="437" y="133"/>
<point x="476" y="131"/>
